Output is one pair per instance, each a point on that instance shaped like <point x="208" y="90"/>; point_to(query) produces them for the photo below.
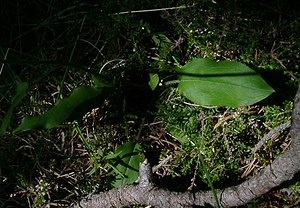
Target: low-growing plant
<point x="112" y="58"/>
<point x="202" y="81"/>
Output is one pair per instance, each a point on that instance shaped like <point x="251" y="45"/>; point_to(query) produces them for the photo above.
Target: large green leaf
<point x="81" y="101"/>
<point x="224" y="83"/>
<point x="20" y="94"/>
<point x="125" y="165"/>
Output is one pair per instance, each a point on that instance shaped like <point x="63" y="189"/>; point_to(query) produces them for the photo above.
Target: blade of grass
<point x="5" y="56"/>
<point x="22" y="88"/>
<point x="205" y="170"/>
<point x="88" y="147"/>
<point x="71" y="56"/>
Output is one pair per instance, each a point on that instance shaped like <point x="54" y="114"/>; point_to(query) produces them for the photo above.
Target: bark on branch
<point x="281" y="170"/>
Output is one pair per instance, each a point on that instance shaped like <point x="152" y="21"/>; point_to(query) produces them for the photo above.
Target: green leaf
<point x="224" y="83"/>
<point x="82" y="100"/>
<point x="179" y="134"/>
<point x="126" y="165"/>
<point x="163" y="43"/>
<point x="113" y="155"/>
<point x="100" y="81"/>
<point x="154" y="80"/>
<point x="20" y="94"/>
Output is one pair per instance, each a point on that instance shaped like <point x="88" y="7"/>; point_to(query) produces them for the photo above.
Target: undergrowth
<point x="56" y="46"/>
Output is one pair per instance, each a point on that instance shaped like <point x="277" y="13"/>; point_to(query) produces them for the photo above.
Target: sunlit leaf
<point x="224" y="83"/>
<point x="154" y="80"/>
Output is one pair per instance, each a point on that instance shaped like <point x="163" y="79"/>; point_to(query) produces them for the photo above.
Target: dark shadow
<point x="285" y="89"/>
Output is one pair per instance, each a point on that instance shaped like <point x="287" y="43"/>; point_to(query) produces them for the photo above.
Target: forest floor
<point x="48" y="49"/>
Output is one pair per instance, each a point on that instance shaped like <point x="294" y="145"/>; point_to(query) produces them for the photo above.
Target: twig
<point x="2" y="66"/>
<point x="164" y="161"/>
<point x="151" y="10"/>
<point x="271" y="135"/>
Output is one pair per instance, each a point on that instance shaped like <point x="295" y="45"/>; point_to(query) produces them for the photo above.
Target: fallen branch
<point x="281" y="170"/>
